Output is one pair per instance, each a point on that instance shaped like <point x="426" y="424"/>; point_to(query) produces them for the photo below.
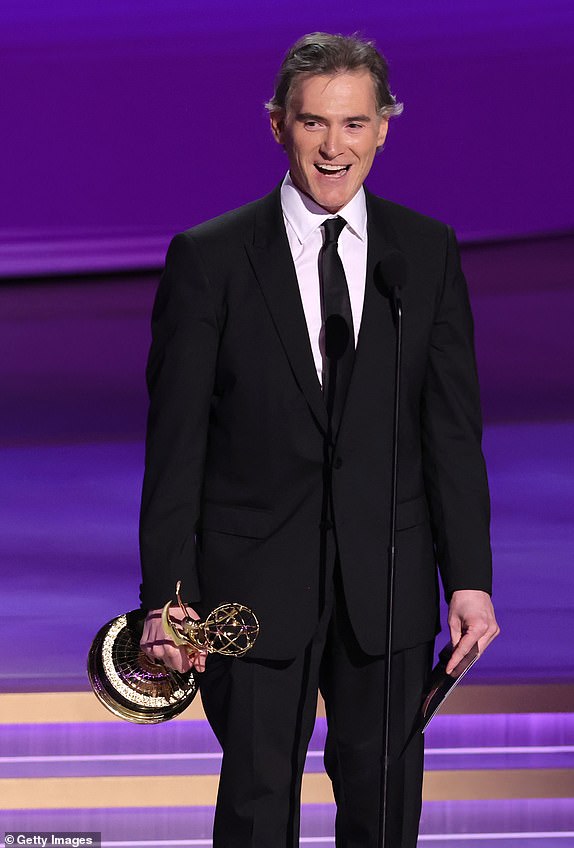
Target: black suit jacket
<point x="233" y="483"/>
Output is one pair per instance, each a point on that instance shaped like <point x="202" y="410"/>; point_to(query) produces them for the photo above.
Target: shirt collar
<point x="305" y="216"/>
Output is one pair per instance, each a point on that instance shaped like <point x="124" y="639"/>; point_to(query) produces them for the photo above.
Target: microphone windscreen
<point x="337" y="336"/>
<point x="391" y="272"/>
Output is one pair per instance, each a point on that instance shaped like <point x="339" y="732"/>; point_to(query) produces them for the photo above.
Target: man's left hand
<point x="471" y="619"/>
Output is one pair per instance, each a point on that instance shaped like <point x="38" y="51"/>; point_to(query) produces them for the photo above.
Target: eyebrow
<point x="308" y="116"/>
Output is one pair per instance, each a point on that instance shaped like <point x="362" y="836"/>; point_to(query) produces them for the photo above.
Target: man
<point x="268" y="462"/>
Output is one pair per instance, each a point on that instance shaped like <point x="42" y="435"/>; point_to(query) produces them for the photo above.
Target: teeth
<point x="333" y="169"/>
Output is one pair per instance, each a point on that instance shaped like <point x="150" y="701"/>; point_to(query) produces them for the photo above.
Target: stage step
<point x="488" y="824"/>
<point x="63" y="707"/>
<point x="538" y="823"/>
<point x="534" y="742"/>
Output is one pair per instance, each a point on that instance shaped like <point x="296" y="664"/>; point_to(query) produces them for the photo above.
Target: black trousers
<point x="263" y="714"/>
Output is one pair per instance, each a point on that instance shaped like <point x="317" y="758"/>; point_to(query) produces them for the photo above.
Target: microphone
<point x="337" y="336"/>
<point x="391" y="275"/>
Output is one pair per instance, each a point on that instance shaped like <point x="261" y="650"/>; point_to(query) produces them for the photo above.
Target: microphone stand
<point x="398" y="315"/>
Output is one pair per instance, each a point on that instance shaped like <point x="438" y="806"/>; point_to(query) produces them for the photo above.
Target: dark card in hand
<point x="442" y="684"/>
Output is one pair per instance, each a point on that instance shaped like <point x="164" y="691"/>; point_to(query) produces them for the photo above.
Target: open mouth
<point x="332" y="170"/>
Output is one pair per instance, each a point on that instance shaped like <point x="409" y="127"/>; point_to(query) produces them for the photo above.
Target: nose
<point x="331" y="144"/>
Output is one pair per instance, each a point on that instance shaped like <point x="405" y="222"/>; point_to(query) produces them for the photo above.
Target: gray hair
<point x="320" y="53"/>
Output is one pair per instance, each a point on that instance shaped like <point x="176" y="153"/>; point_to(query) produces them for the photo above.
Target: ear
<point x="382" y="134"/>
<point x="277" y="120"/>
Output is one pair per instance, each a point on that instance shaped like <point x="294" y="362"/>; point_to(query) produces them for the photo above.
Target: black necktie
<point x="338" y="338"/>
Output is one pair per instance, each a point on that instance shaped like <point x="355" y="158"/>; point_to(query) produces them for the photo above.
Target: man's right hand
<point x="155" y="644"/>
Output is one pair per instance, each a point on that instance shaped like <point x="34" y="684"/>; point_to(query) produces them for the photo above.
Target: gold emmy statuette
<point x="138" y="688"/>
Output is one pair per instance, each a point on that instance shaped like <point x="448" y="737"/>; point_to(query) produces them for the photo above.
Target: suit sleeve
<point x="455" y="474"/>
<point x="180" y="377"/>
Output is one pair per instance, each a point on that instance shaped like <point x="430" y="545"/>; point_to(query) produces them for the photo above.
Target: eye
<point x="355" y="126"/>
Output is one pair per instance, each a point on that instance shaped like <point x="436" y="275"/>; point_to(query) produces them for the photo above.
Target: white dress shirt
<point x="303" y="219"/>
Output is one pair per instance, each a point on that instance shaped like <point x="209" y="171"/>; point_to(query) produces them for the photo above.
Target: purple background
<point x="126" y="121"/>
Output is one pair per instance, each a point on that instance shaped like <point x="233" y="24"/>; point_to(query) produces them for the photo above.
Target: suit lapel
<point x="376" y="343"/>
<point x="272" y="263"/>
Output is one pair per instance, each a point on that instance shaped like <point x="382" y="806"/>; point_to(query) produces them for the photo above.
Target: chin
<point x="333" y="199"/>
<point x="330" y="198"/>
<point x="331" y="203"/>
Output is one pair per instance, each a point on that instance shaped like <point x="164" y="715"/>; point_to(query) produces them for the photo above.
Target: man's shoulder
<point x="236" y="223"/>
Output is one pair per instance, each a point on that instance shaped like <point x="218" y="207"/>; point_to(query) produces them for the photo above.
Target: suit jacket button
<point x="338" y="462"/>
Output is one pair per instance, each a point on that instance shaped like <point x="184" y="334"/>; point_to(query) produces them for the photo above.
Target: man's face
<point x="331" y="132"/>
